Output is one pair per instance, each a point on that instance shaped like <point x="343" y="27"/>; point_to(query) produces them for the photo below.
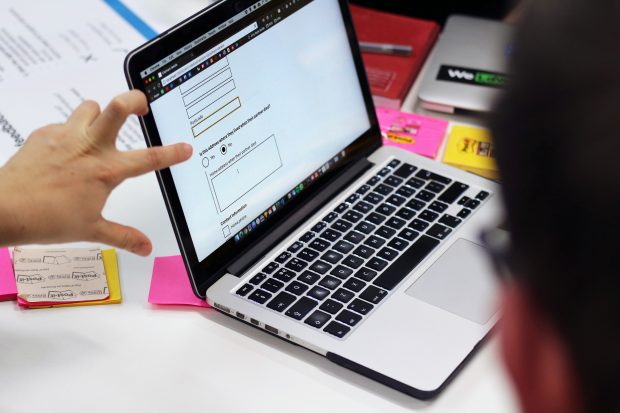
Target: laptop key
<point x="415" y="204"/>
<point x="317" y="319"/>
<point x="331" y="235"/>
<point x="295" y="247"/>
<point x="341" y="272"/>
<point x="439" y="231"/>
<point x="373" y="294"/>
<point x="419" y="225"/>
<point x="375" y="218"/>
<point x="337" y="329"/>
<point x="330" y="217"/>
<point x="434" y="187"/>
<point x="320" y="267"/>
<point x="283" y="257"/>
<point x="398" y="244"/>
<point x="301" y="308"/>
<point x="260" y="296"/>
<point x="343" y="295"/>
<point x="377" y="264"/>
<point x="354" y="237"/>
<point x="341" y="208"/>
<point x="319" y="227"/>
<point x="344" y="247"/>
<point x="405" y="192"/>
<point x="330" y="282"/>
<point x="307" y="237"/>
<point x="385" y="232"/>
<point x="373" y="181"/>
<point x="342" y="225"/>
<point x="318" y="292"/>
<point x="384" y="189"/>
<point x="387" y="254"/>
<point x="363" y="207"/>
<point x="373" y="198"/>
<point x="243" y="291"/>
<point x="352" y="198"/>
<point x="352" y="216"/>
<point x="453" y="192"/>
<point x="384" y="172"/>
<point x="281" y="301"/>
<point x="284" y="275"/>
<point x="349" y="318"/>
<point x="363" y="189"/>
<point x="308" y="277"/>
<point x="406" y="214"/>
<point x="386" y="209"/>
<point x="464" y="213"/>
<point x="409" y="259"/>
<point x="332" y="257"/>
<point x="365" y="227"/>
<point x="271" y="267"/>
<point x="482" y="195"/>
<point x="415" y="183"/>
<point x="438" y="206"/>
<point x="319" y="245"/>
<point x="296" y="264"/>
<point x="424" y="174"/>
<point x="331" y="306"/>
<point x="364" y="252"/>
<point x="408" y="234"/>
<point x="308" y="255"/>
<point x="366" y="274"/>
<point x="395" y="200"/>
<point x="395" y="223"/>
<point x="353" y="261"/>
<point x="429" y="216"/>
<point x="393" y="163"/>
<point x="354" y="284"/>
<point x="450" y="221"/>
<point x="405" y="170"/>
<point x="374" y="241"/>
<point x="271" y="285"/>
<point x="296" y="288"/>
<point x="393" y="181"/>
<point x="464" y="200"/>
<point x="360" y="306"/>
<point x="425" y="195"/>
<point x="257" y="279"/>
<point x="472" y="204"/>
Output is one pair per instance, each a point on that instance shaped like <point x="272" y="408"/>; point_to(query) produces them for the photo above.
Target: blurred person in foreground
<point x="557" y="135"/>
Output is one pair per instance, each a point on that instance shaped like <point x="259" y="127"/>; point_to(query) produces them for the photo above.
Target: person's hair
<point x="557" y="136"/>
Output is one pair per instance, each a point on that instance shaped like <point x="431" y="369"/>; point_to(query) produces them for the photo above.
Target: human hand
<point x="54" y="189"/>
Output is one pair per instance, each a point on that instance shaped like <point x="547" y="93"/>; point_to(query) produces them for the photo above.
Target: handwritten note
<point x="8" y="288"/>
<point x="419" y="134"/>
<point x="170" y="284"/>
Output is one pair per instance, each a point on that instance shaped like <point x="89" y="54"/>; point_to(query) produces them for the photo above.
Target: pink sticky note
<point x="170" y="284"/>
<point x="8" y="288"/>
<point x="420" y="134"/>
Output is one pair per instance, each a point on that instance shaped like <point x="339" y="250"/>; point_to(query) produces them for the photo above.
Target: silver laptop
<point x="291" y="217"/>
<point x="467" y="68"/>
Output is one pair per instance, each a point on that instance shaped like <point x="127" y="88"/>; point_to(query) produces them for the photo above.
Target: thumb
<point x="123" y="237"/>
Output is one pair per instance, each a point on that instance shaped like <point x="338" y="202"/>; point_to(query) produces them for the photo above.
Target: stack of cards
<point x="65" y="277"/>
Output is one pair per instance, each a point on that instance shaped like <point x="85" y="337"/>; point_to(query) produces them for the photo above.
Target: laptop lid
<point x="273" y="97"/>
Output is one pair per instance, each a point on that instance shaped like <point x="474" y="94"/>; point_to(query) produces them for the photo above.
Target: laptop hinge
<point x="245" y="261"/>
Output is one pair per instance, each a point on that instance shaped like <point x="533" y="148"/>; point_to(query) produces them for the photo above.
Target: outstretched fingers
<point x="105" y="128"/>
<point x="123" y="237"/>
<point x="153" y="159"/>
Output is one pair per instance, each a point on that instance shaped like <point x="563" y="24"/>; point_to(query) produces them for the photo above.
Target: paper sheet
<point x="8" y="288"/>
<point x="419" y="134"/>
<point x="54" y="55"/>
<point x="170" y="284"/>
<point x="111" y="269"/>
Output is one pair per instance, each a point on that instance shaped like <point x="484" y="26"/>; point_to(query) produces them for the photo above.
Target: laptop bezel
<point x="205" y="273"/>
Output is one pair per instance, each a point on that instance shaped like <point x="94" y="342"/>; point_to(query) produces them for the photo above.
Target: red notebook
<point x="391" y="77"/>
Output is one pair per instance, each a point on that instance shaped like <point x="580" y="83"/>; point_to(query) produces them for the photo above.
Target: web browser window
<point x="264" y="110"/>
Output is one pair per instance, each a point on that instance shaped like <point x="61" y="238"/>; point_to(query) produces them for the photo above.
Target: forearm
<point x="12" y="213"/>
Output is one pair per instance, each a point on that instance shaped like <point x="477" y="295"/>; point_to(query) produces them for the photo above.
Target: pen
<point x="386" y="48"/>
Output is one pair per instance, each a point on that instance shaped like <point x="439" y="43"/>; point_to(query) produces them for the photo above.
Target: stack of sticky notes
<point x="471" y="149"/>
<point x="419" y="134"/>
<point x="61" y="277"/>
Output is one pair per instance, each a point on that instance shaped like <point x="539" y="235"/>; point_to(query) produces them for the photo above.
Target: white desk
<point x="135" y="358"/>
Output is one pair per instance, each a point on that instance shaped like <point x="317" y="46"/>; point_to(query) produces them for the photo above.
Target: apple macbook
<point x="290" y="215"/>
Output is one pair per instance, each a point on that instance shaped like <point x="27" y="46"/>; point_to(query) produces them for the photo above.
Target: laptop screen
<point x="268" y="110"/>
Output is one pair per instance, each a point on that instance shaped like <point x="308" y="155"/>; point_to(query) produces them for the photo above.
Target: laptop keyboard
<point x="340" y="270"/>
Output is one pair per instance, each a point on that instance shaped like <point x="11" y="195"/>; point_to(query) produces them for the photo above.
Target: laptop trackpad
<point x="461" y="281"/>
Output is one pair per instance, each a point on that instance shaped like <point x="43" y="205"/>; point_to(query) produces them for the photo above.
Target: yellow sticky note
<point x="111" y="271"/>
<point x="471" y="149"/>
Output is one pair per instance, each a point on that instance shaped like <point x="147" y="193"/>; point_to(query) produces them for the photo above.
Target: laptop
<point x="467" y="68"/>
<point x="290" y="215"/>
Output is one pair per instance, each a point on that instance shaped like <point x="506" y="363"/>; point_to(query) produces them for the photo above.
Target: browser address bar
<point x="179" y="72"/>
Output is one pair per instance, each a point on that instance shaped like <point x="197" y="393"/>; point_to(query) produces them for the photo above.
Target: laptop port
<point x="240" y="315"/>
<point x="271" y="329"/>
<point x="221" y="307"/>
<point x="255" y="322"/>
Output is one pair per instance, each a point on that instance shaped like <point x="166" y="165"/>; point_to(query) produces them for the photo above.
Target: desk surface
<point x="135" y="357"/>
